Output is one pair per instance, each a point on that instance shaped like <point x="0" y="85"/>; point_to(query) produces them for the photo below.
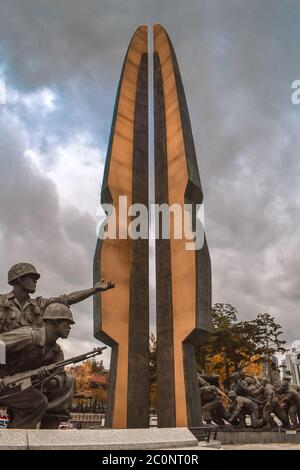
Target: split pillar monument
<point x="183" y="277"/>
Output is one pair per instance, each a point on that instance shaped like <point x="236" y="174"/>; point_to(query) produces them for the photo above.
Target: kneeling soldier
<point x="30" y="348"/>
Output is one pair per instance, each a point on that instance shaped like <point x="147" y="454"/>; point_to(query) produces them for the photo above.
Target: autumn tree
<point x="91" y="384"/>
<point x="237" y="345"/>
<point x="97" y="366"/>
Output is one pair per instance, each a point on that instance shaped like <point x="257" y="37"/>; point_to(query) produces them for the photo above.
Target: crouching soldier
<point x="29" y="348"/>
<point x="242" y="406"/>
<point x="290" y="406"/>
<point x="211" y="402"/>
<point x="272" y="406"/>
<point x="291" y="400"/>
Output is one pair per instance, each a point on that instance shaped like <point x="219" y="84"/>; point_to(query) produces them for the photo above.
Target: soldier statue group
<point x="37" y="391"/>
<point x="249" y="396"/>
<point x="29" y="329"/>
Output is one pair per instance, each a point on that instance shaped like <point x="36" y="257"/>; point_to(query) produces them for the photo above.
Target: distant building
<point x="271" y="370"/>
<point x="291" y="363"/>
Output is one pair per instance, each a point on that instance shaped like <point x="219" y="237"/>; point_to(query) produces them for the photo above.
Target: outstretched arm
<point x="80" y="295"/>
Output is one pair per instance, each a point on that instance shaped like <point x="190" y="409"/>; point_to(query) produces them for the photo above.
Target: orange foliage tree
<point x="91" y="385"/>
<point x="238" y="345"/>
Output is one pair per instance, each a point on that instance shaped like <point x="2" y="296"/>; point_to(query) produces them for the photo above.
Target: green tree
<point x="268" y="338"/>
<point x="97" y="366"/>
<point x="232" y="340"/>
<point x="218" y="342"/>
<point x="235" y="345"/>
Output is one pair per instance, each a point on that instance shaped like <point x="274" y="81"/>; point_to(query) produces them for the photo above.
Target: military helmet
<point x="58" y="312"/>
<point x="287" y="378"/>
<point x="232" y="393"/>
<point x="21" y="269"/>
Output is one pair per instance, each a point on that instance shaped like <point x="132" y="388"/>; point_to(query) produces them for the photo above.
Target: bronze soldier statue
<point x="32" y="347"/>
<point x="18" y="309"/>
<point x="291" y="409"/>
<point x="244" y="384"/>
<point x="288" y="379"/>
<point x="239" y="385"/>
<point x="242" y="406"/>
<point x="211" y="401"/>
<point x="272" y="405"/>
<point x="291" y="399"/>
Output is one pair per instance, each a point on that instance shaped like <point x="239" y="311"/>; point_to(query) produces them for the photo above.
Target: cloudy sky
<point x="61" y="62"/>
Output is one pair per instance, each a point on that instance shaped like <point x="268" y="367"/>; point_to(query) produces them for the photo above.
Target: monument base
<point x="231" y="436"/>
<point x="102" y="439"/>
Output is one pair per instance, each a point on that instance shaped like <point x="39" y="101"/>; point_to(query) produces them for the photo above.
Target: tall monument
<point x="183" y="277"/>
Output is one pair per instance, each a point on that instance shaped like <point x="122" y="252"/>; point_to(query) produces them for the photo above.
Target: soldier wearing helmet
<point x="288" y="392"/>
<point x="271" y="405"/>
<point x="30" y="348"/>
<point x="286" y="378"/>
<point x="240" y="407"/>
<point x="18" y="309"/>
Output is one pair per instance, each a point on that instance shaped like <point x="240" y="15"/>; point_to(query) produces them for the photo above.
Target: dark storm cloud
<point x="35" y="227"/>
<point x="31" y="215"/>
<point x="237" y="59"/>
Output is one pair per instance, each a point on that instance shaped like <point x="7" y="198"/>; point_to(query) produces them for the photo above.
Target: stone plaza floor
<point x="261" y="447"/>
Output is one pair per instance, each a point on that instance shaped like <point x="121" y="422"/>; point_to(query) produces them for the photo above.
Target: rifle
<point x="24" y="380"/>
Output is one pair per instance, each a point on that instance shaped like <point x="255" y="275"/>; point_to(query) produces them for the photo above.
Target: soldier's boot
<point x="219" y="421"/>
<point x="267" y="418"/>
<point x="240" y="425"/>
<point x="241" y="422"/>
<point x="256" y="422"/>
<point x="293" y="416"/>
<point x="218" y="414"/>
<point x="273" y="423"/>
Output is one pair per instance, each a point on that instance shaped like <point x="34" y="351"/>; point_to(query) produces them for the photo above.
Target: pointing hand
<point x="104" y="285"/>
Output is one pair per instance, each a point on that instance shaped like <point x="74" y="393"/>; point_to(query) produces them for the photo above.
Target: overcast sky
<point x="61" y="62"/>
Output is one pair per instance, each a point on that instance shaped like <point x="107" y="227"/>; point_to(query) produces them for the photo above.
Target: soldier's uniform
<point x="241" y="407"/>
<point x="239" y="386"/>
<point x="13" y="316"/>
<point x="273" y="406"/>
<point x="211" y="403"/>
<point x="291" y="400"/>
<point x="26" y="350"/>
<point x="291" y="409"/>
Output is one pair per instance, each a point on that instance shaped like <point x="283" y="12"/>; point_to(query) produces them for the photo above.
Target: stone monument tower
<point x="183" y="277"/>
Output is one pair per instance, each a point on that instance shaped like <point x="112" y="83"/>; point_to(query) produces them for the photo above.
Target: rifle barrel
<point x="82" y="357"/>
<point x="19" y="377"/>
